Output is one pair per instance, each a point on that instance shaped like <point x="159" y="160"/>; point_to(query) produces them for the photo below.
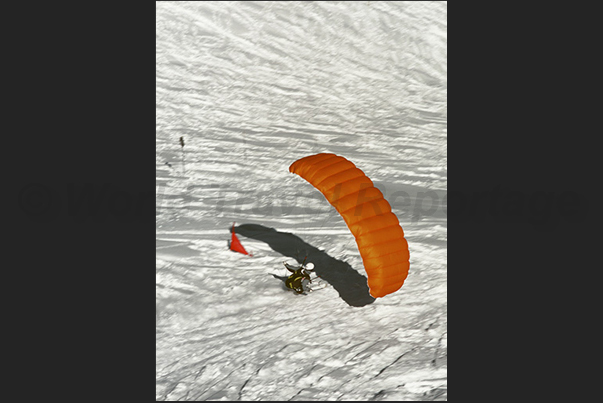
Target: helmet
<point x="309" y="266"/>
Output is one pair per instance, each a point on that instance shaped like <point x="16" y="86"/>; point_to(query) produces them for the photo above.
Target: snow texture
<point x="251" y="87"/>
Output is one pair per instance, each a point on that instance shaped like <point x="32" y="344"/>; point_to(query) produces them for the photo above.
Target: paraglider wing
<point x="368" y="215"/>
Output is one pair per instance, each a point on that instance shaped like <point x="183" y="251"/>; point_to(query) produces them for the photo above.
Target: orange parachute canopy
<point x="369" y="217"/>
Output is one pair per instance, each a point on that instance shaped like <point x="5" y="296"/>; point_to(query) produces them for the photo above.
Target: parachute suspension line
<point x="346" y="245"/>
<point x="329" y="217"/>
<point x="324" y="221"/>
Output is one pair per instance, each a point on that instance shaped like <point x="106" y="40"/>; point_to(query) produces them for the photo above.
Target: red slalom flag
<point x="235" y="244"/>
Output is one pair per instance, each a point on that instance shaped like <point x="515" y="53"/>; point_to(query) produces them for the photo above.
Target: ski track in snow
<point x="252" y="87"/>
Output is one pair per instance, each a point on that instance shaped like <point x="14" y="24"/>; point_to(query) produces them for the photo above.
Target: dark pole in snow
<point x="182" y="145"/>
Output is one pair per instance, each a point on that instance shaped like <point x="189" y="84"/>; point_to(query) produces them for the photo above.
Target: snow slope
<point x="252" y="87"/>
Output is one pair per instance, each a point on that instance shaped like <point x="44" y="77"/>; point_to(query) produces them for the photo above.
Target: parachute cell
<point x="368" y="215"/>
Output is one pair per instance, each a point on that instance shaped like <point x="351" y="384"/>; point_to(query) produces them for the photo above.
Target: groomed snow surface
<point x="252" y="87"/>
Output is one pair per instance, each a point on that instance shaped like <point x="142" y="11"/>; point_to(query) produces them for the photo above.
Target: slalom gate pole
<point x="182" y="145"/>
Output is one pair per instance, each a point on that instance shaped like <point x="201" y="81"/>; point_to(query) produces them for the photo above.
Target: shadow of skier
<point x="350" y="284"/>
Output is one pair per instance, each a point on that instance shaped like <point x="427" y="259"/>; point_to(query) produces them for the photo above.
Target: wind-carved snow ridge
<point x="252" y="87"/>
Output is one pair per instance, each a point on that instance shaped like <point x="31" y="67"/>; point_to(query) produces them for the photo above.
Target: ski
<point x="317" y="286"/>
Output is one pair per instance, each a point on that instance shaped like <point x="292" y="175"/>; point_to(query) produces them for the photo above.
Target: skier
<point x="294" y="281"/>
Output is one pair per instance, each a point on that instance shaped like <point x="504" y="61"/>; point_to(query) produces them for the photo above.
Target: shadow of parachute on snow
<point x="351" y="285"/>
